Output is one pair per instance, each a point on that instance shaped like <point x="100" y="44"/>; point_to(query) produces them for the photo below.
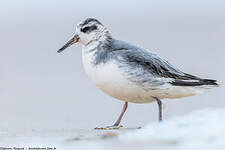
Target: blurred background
<point x="41" y="89"/>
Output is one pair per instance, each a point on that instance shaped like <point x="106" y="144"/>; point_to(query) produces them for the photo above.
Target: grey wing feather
<point x="145" y="65"/>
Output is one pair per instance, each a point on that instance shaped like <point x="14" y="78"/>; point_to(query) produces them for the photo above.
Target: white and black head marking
<point x="88" y="31"/>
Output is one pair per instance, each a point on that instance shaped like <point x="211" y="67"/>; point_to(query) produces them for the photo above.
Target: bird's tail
<point x="209" y="82"/>
<point x="195" y="83"/>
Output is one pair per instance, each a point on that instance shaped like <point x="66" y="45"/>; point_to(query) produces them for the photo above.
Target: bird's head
<point x="88" y="31"/>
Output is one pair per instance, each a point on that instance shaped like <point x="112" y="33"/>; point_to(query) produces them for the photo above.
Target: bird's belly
<point x="112" y="81"/>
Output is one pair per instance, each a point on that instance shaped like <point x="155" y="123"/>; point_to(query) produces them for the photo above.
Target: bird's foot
<point x="113" y="127"/>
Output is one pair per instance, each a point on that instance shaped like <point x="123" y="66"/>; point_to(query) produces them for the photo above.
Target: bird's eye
<point x="88" y="29"/>
<point x="85" y="29"/>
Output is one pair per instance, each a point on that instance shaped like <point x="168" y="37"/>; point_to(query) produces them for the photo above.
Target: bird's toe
<point x="113" y="127"/>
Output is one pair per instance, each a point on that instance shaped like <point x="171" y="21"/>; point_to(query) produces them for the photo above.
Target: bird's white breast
<point x="111" y="80"/>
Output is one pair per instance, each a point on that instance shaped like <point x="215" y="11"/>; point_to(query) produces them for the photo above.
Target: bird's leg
<point x="116" y="125"/>
<point x="159" y="102"/>
<point x="121" y="115"/>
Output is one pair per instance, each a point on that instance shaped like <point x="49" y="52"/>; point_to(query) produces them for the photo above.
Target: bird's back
<point x="137" y="61"/>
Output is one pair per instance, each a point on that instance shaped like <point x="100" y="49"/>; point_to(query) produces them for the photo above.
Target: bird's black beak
<point x="75" y="39"/>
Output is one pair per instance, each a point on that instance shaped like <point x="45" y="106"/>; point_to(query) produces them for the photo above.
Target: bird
<point x="130" y="73"/>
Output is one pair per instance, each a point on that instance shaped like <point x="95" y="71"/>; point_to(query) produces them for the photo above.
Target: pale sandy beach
<point x="204" y="129"/>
